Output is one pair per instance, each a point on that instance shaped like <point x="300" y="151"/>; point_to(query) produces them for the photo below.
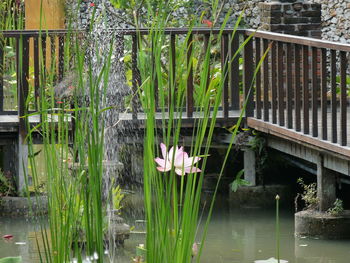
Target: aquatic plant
<point x="238" y="181"/>
<point x="309" y="195"/>
<point x="337" y="208"/>
<point x="11" y="260"/>
<point x="172" y="203"/>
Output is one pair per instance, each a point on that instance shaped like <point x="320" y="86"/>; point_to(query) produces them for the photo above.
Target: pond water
<point x="235" y="235"/>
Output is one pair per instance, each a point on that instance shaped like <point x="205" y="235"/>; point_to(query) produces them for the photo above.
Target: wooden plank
<point x="234" y="72"/>
<point x="258" y="107"/>
<point x="266" y="82"/>
<point x="2" y="44"/>
<point x="289" y="77"/>
<point x="43" y="54"/>
<point x="297" y="88"/>
<point x="298" y="137"/>
<point x="314" y="92"/>
<point x="206" y="50"/>
<point x="248" y="75"/>
<point x="280" y="87"/>
<point x="307" y="41"/>
<point x="36" y="72"/>
<point x="343" y="102"/>
<point x="172" y="70"/>
<point x="53" y="52"/>
<point x="324" y="83"/>
<point x="22" y="58"/>
<point x="224" y="73"/>
<point x="334" y="95"/>
<point x="134" y="72"/>
<point x="274" y="82"/>
<point x="60" y="58"/>
<point x="189" y="101"/>
<point x="306" y="89"/>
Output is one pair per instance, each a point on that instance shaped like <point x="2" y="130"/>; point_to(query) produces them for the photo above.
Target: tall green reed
<point x="172" y="203"/>
<point x="73" y="162"/>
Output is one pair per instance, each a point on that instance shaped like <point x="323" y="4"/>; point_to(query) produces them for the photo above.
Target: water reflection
<point x="235" y="235"/>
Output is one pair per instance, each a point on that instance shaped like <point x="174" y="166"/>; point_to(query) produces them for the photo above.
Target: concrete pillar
<point x="8" y="160"/>
<point x="326" y="186"/>
<point x="249" y="166"/>
<point x="21" y="164"/>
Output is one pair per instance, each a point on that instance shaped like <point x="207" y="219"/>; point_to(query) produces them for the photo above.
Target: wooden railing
<point x="30" y="51"/>
<point x="231" y="96"/>
<point x="301" y="85"/>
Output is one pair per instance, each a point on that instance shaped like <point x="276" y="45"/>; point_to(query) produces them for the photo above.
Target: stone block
<point x="271" y="13"/>
<point x="307" y="27"/>
<point x="271" y="20"/>
<point x="312" y="13"/>
<point x="297" y="6"/>
<point x="314" y="19"/>
<point x="261" y="196"/>
<point x="271" y="6"/>
<point x="279" y="28"/>
<point x="322" y="225"/>
<point x="296" y="20"/>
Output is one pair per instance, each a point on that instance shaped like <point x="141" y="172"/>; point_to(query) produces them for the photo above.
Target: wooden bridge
<point x="300" y="99"/>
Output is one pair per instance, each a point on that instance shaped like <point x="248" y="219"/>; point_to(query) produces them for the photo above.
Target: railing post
<point x="343" y="100"/>
<point x="172" y="72"/>
<point x="136" y="82"/>
<point x="60" y="57"/>
<point x="248" y="75"/>
<point x="189" y="105"/>
<point x="2" y="43"/>
<point x="224" y="73"/>
<point x="22" y="63"/>
<point x="234" y="68"/>
<point x="37" y="92"/>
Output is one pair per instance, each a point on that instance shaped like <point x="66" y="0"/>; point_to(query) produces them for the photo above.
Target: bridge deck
<point x="307" y="138"/>
<point x="10" y="123"/>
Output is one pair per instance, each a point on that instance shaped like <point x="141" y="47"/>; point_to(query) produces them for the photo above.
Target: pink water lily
<point x="182" y="163"/>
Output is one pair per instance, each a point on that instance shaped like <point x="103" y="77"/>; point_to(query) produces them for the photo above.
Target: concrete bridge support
<point x="21" y="164"/>
<point x="15" y="161"/>
<point x="249" y="166"/>
<point x="326" y="186"/>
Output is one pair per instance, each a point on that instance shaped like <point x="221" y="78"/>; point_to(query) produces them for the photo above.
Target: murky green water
<point x="234" y="236"/>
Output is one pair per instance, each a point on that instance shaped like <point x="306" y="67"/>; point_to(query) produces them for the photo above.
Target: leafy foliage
<point x="337" y="208"/>
<point x="7" y="185"/>
<point x="309" y="195"/>
<point x="238" y="182"/>
<point x="11" y="260"/>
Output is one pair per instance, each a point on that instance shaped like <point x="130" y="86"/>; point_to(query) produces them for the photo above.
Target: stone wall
<point x="119" y="19"/>
<point x="335" y="20"/>
<point x="335" y="15"/>
<point x="22" y="206"/>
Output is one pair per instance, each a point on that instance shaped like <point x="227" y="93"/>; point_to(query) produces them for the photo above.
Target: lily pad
<point x="271" y="260"/>
<point x="11" y="260"/>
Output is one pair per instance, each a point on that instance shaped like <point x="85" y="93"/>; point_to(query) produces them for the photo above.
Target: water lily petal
<point x="190" y="161"/>
<point x="163" y="169"/>
<point x="179" y="160"/>
<point x="163" y="164"/>
<point x="175" y="155"/>
<point x="179" y="171"/>
<point x="160" y="162"/>
<point x="164" y="152"/>
<point x="190" y="170"/>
